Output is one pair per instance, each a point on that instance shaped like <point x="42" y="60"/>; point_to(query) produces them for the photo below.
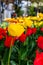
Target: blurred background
<point x="16" y="8"/>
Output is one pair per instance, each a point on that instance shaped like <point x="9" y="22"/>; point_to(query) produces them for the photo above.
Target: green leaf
<point x="31" y="49"/>
<point x="5" y="57"/>
<point x="29" y="62"/>
<point x="23" y="56"/>
<point x="13" y="63"/>
<point x="23" y="62"/>
<point x="26" y="42"/>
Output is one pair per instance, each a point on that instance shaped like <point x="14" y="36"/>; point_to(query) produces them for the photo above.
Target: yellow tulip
<point x="39" y="18"/>
<point x="40" y="14"/>
<point x="11" y="20"/>
<point x="35" y="23"/>
<point x="15" y="29"/>
<point x="28" y="22"/>
<point x="40" y="23"/>
<point x="33" y="18"/>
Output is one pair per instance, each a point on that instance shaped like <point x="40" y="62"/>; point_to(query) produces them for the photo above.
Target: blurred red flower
<point x="34" y="30"/>
<point x="41" y="29"/>
<point x="9" y="40"/>
<point x="29" y="31"/>
<point x="40" y="42"/>
<point x="39" y="59"/>
<point x="1" y="37"/>
<point x="22" y="38"/>
<point x="2" y="32"/>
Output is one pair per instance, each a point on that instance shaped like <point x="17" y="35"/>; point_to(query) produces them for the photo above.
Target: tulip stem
<point x="19" y="58"/>
<point x="10" y="51"/>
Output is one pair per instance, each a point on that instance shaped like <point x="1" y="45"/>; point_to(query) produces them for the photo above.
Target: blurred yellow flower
<point x="39" y="18"/>
<point x="28" y="22"/>
<point x="15" y="29"/>
<point x="23" y="24"/>
<point x="40" y="14"/>
<point x="40" y="23"/>
<point x="34" y="18"/>
<point x="21" y="20"/>
<point x="11" y="20"/>
<point x="35" y="23"/>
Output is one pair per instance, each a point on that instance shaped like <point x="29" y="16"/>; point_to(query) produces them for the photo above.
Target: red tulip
<point x="9" y="40"/>
<point x="40" y="42"/>
<point x="2" y="32"/>
<point x="29" y="32"/>
<point x="34" y="30"/>
<point x="41" y="29"/>
<point x="1" y="37"/>
<point x="22" y="38"/>
<point x="39" y="59"/>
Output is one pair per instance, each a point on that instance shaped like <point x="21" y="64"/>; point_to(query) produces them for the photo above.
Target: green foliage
<point x="18" y="11"/>
<point x="31" y="11"/>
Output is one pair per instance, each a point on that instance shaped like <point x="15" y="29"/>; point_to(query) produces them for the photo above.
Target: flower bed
<point x="21" y="41"/>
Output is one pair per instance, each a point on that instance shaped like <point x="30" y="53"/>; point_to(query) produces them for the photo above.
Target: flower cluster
<point x="22" y="41"/>
<point x="27" y="21"/>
